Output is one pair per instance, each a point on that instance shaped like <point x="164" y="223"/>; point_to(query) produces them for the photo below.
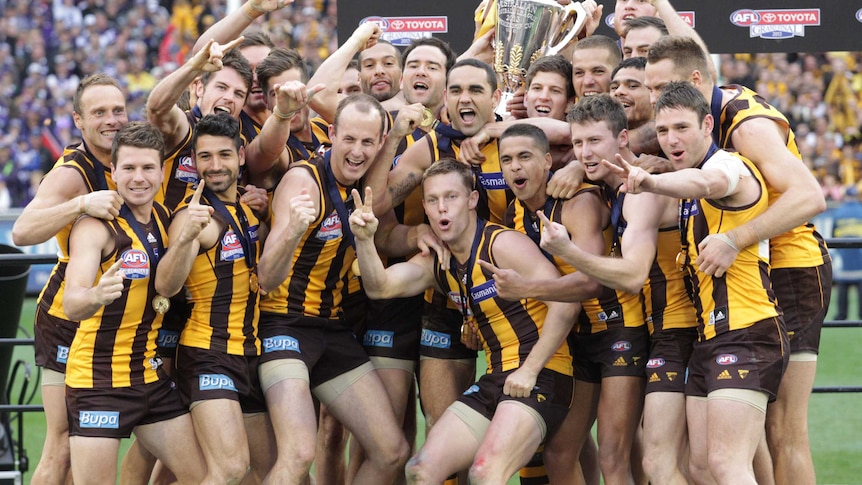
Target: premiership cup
<point x="527" y="30"/>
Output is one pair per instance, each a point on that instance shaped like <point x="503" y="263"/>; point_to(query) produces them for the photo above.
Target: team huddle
<point x="276" y="261"/>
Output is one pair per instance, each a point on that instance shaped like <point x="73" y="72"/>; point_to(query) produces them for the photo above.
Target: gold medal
<point x="355" y="267"/>
<point x="427" y="118"/>
<point x="253" y="283"/>
<point x="680" y="260"/>
<point x="161" y="304"/>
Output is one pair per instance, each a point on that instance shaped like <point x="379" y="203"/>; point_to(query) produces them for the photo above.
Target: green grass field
<point x="835" y="419"/>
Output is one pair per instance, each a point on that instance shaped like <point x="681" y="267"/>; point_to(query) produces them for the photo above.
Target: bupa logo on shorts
<point x="472" y="389"/>
<point x="135" y="264"/>
<point x="330" y="229"/>
<point x="280" y="342"/>
<point x="253" y="233"/>
<point x="726" y="359"/>
<point x="612" y="314"/>
<point x="484" y="291"/>
<point x="186" y="171"/>
<point x="655" y="363"/>
<point x="231" y="248"/>
<point x="214" y="382"/>
<point x="168" y="339"/>
<point x="492" y="181"/>
<point x="718" y="315"/>
<point x="99" y="419"/>
<point x="62" y="354"/>
<point x="438" y="340"/>
<point x="621" y="346"/>
<point x="378" y="338"/>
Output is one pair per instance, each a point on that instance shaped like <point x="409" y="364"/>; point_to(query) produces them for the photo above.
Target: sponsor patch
<point x="472" y="389"/>
<point x="99" y="419"/>
<point x="484" y="291"/>
<point x="378" y="338"/>
<point x="231" y="247"/>
<point x="492" y="180"/>
<point x="167" y="339"/>
<point x="330" y="229"/>
<point x="280" y="342"/>
<point x="212" y="382"/>
<point x="62" y="354"/>
<point x="621" y="346"/>
<point x="655" y="363"/>
<point x="776" y="24"/>
<point x="135" y="265"/>
<point x="437" y="340"/>
<point x="186" y="171"/>
<point x="401" y="31"/>
<point x="726" y="359"/>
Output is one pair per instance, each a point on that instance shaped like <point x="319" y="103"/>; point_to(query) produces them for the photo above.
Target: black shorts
<point x="551" y="397"/>
<point x="204" y="374"/>
<point x="752" y="358"/>
<point x="327" y="347"/>
<point x="173" y="325"/>
<point x="354" y="308"/>
<point x="670" y="350"/>
<point x="803" y="295"/>
<point x="115" y="412"/>
<point x="621" y="351"/>
<point x="441" y="332"/>
<point x="393" y="328"/>
<point x="53" y="338"/>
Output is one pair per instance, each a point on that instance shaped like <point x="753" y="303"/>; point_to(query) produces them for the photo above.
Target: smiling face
<point x="470" y="99"/>
<point x="103" y="113"/>
<point x="447" y="204"/>
<point x="218" y="160"/>
<point x="226" y="92"/>
<point x="683" y="138"/>
<point x="591" y="71"/>
<point x="355" y="143"/>
<point x="525" y="168"/>
<point x="625" y="10"/>
<point x="593" y="142"/>
<point x="380" y="71"/>
<point x="629" y="89"/>
<point x="424" y="78"/>
<point x="547" y="96"/>
<point x="138" y="174"/>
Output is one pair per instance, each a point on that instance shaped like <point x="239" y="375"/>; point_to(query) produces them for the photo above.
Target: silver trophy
<point x="527" y="30"/>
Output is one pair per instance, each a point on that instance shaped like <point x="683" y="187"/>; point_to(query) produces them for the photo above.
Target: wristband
<point x="278" y="114"/>
<point x="256" y="8"/>
<point x="725" y="239"/>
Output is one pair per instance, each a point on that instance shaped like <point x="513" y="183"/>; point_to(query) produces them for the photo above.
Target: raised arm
<point x="86" y="292"/>
<point x="393" y="184"/>
<point x="332" y="69"/>
<point x="61" y="198"/>
<point x="236" y="22"/>
<point x="677" y="26"/>
<point x="189" y="231"/>
<point x="296" y="204"/>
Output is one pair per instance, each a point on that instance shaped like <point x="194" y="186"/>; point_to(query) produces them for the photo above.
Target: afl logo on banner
<point x="776" y="24"/>
<point x="402" y="31"/>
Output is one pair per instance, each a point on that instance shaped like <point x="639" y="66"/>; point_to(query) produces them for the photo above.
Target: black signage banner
<point x="727" y="26"/>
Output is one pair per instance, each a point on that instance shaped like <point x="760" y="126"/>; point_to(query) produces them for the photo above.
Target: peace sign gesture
<point x="636" y="179"/>
<point x="363" y="223"/>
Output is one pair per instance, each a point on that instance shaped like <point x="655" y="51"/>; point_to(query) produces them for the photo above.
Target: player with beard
<point x="800" y="266"/>
<point x="76" y="185"/>
<point x="627" y="86"/>
<point x="380" y="72"/>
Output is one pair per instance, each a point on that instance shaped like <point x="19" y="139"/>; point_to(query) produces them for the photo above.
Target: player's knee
<point x="417" y="470"/>
<point x="393" y="455"/>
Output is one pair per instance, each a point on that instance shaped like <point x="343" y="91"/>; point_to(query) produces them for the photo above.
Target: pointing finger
<point x="114" y="268"/>
<point x="196" y="198"/>
<point x="230" y="45"/>
<point x="489" y="267"/>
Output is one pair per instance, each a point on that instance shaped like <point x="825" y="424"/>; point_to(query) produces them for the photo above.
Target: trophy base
<point x="502" y="108"/>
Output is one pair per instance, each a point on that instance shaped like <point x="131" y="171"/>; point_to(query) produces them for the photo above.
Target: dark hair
<point x="540" y="139"/>
<point x="644" y="23"/>
<point x="638" y="63"/>
<point x="138" y="134"/>
<point x="601" y="42"/>
<point x="277" y="62"/>
<point x="450" y="165"/>
<point x="390" y="44"/>
<point x="234" y="60"/>
<point x="687" y="56"/>
<point x="555" y="64"/>
<point x="683" y="95"/>
<point x="490" y="75"/>
<point x="364" y="103"/>
<point x="254" y="39"/>
<point x="444" y="47"/>
<point x="601" y="107"/>
<point x="100" y="79"/>
<point x="217" y="124"/>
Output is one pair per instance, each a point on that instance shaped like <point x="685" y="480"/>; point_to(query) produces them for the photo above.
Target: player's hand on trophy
<point x="482" y="48"/>
<point x="515" y="106"/>
<point x="594" y="17"/>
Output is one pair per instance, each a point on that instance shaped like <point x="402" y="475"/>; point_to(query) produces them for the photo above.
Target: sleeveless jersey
<point x="116" y="347"/>
<point x="802" y="246"/>
<point x="225" y="311"/>
<point x="92" y="171"/>
<point x="321" y="261"/>
<point x="181" y="174"/>
<point x="743" y="296"/>
<point x="509" y="329"/>
<point x="666" y="300"/>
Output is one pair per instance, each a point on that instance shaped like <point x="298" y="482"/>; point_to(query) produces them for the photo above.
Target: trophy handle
<point x="574" y="8"/>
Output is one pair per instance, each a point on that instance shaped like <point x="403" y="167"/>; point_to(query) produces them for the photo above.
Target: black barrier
<point x="728" y="26"/>
<point x="13" y="285"/>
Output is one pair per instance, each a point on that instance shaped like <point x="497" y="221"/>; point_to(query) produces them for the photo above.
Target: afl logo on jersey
<point x="331" y="228"/>
<point x="186" y="171"/>
<point x="135" y="265"/>
<point x="231" y="248"/>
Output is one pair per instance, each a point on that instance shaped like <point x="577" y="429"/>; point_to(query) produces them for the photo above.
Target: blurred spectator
<point x="847" y="263"/>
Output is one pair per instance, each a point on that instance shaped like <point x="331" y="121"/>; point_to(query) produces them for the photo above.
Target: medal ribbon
<point x="98" y="169"/>
<point x="533" y="232"/>
<point x="340" y="205"/>
<point x="465" y="286"/>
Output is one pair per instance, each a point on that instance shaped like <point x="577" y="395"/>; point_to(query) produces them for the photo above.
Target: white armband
<point x="732" y="167"/>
